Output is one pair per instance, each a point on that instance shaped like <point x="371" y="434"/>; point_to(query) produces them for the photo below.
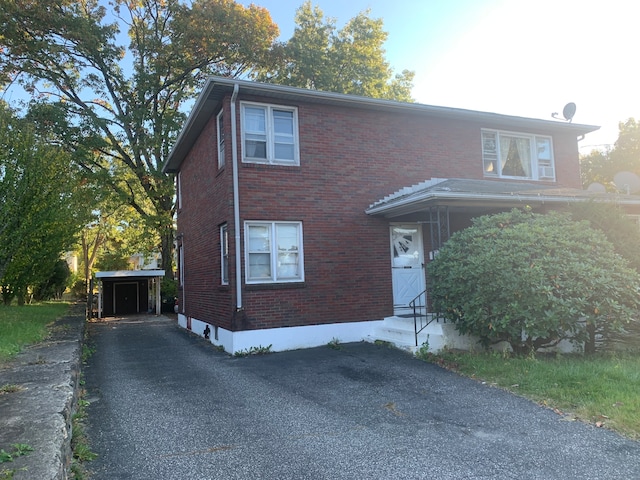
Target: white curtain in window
<point x="505" y="143"/>
<point x="515" y="156"/>
<point x="524" y="150"/>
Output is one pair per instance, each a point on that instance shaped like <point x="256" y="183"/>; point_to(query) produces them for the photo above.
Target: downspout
<point x="236" y="198"/>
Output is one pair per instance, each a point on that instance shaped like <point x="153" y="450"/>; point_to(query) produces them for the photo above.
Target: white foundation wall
<point x="285" y="338"/>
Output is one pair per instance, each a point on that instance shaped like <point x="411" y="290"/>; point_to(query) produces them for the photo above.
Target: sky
<point x="515" y="57"/>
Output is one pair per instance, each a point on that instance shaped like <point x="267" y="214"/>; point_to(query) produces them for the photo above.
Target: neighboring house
<point x="145" y="261"/>
<point x="306" y="216"/>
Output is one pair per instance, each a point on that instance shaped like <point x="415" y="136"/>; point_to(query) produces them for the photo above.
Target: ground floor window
<point x="224" y="255"/>
<point x="273" y="252"/>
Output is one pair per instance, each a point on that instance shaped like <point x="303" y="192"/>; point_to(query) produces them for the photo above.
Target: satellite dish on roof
<point x="627" y="182"/>
<point x="569" y="111"/>
<point x="596" y="188"/>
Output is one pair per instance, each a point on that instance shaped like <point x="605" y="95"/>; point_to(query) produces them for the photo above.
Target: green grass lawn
<point x="20" y="326"/>
<point x="603" y="389"/>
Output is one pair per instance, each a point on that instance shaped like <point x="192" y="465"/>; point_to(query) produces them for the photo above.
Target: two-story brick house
<point x="306" y="217"/>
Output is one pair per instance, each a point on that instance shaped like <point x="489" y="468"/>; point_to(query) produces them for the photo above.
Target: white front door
<point x="407" y="264"/>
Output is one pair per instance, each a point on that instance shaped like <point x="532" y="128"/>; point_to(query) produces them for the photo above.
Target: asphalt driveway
<point x="165" y="404"/>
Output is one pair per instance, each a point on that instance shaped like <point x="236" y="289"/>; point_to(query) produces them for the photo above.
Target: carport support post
<point x="99" y="299"/>
<point x="158" y="299"/>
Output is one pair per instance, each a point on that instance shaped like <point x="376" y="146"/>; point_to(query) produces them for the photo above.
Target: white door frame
<point x="407" y="264"/>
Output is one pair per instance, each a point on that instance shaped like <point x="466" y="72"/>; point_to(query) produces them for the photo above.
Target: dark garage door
<point x="127" y="297"/>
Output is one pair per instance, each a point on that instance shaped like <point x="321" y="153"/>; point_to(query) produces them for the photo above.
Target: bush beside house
<point x="533" y="280"/>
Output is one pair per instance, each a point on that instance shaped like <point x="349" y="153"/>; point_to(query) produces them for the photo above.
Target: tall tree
<point x="601" y="166"/>
<point x="121" y="98"/>
<point x="350" y="60"/>
<point x="39" y="211"/>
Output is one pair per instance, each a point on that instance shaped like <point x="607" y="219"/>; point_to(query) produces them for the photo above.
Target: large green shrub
<point x="533" y="280"/>
<point x="619" y="229"/>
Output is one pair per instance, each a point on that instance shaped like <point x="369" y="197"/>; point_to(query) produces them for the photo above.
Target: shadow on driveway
<point x="166" y="404"/>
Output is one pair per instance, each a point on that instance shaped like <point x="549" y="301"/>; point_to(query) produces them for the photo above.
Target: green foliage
<point x="601" y="165"/>
<point x="39" y="214"/>
<point x="10" y="388"/>
<point x="54" y="286"/>
<point x="350" y="60"/>
<point x="423" y="352"/>
<point x="20" y="326"/>
<point x="17" y="450"/>
<point x="80" y="447"/>
<point x="168" y="294"/>
<point x="601" y="389"/>
<point x="610" y="219"/>
<point x="259" y="350"/>
<point x="533" y="280"/>
<point x="113" y="260"/>
<point x="122" y="97"/>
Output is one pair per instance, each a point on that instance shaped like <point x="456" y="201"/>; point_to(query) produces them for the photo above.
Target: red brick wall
<point x="348" y="159"/>
<point x="206" y="204"/>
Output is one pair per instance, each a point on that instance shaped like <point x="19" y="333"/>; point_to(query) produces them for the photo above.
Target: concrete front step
<point x="401" y="332"/>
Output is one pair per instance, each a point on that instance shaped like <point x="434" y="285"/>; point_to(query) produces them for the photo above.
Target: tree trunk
<point x="166" y="250"/>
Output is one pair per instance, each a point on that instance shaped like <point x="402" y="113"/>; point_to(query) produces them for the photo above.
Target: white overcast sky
<point x="517" y="57"/>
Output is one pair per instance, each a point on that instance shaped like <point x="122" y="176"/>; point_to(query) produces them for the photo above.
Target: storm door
<point x="407" y="264"/>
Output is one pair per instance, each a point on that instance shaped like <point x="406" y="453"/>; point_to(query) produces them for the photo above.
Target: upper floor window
<point x="516" y="155"/>
<point x="269" y="134"/>
<point x="273" y="252"/>
<point x="220" y="131"/>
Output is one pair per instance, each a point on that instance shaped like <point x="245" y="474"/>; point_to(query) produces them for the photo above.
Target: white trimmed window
<point x="220" y="133"/>
<point x="269" y="134"/>
<point x="517" y="155"/>
<point x="224" y="255"/>
<point x="273" y="252"/>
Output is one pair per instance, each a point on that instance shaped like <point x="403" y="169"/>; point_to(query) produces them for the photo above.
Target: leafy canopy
<point x="40" y="209"/>
<point x="602" y="165"/>
<point x="532" y="280"/>
<point x="111" y="81"/>
<point x="114" y="80"/>
<point x="350" y="60"/>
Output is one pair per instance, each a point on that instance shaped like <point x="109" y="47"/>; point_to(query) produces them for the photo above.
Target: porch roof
<point x="465" y="193"/>
<point x="130" y="274"/>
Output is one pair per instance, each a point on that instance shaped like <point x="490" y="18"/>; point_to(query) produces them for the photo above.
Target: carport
<point x="126" y="292"/>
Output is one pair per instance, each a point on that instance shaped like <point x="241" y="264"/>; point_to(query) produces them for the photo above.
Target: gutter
<point x="236" y="197"/>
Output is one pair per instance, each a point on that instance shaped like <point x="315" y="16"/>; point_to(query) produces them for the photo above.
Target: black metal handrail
<point x="420" y="318"/>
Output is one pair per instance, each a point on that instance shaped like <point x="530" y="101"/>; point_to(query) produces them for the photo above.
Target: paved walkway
<point x="165" y="404"/>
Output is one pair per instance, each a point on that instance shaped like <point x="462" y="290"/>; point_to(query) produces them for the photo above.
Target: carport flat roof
<point x="130" y="273"/>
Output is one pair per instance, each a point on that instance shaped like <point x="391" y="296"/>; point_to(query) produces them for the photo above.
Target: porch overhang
<point x="130" y="275"/>
<point x="470" y="195"/>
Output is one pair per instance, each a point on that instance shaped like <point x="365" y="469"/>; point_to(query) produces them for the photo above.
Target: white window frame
<point x="224" y="254"/>
<point x="270" y="134"/>
<point x="273" y="253"/>
<point x="541" y="155"/>
<point x="220" y="137"/>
